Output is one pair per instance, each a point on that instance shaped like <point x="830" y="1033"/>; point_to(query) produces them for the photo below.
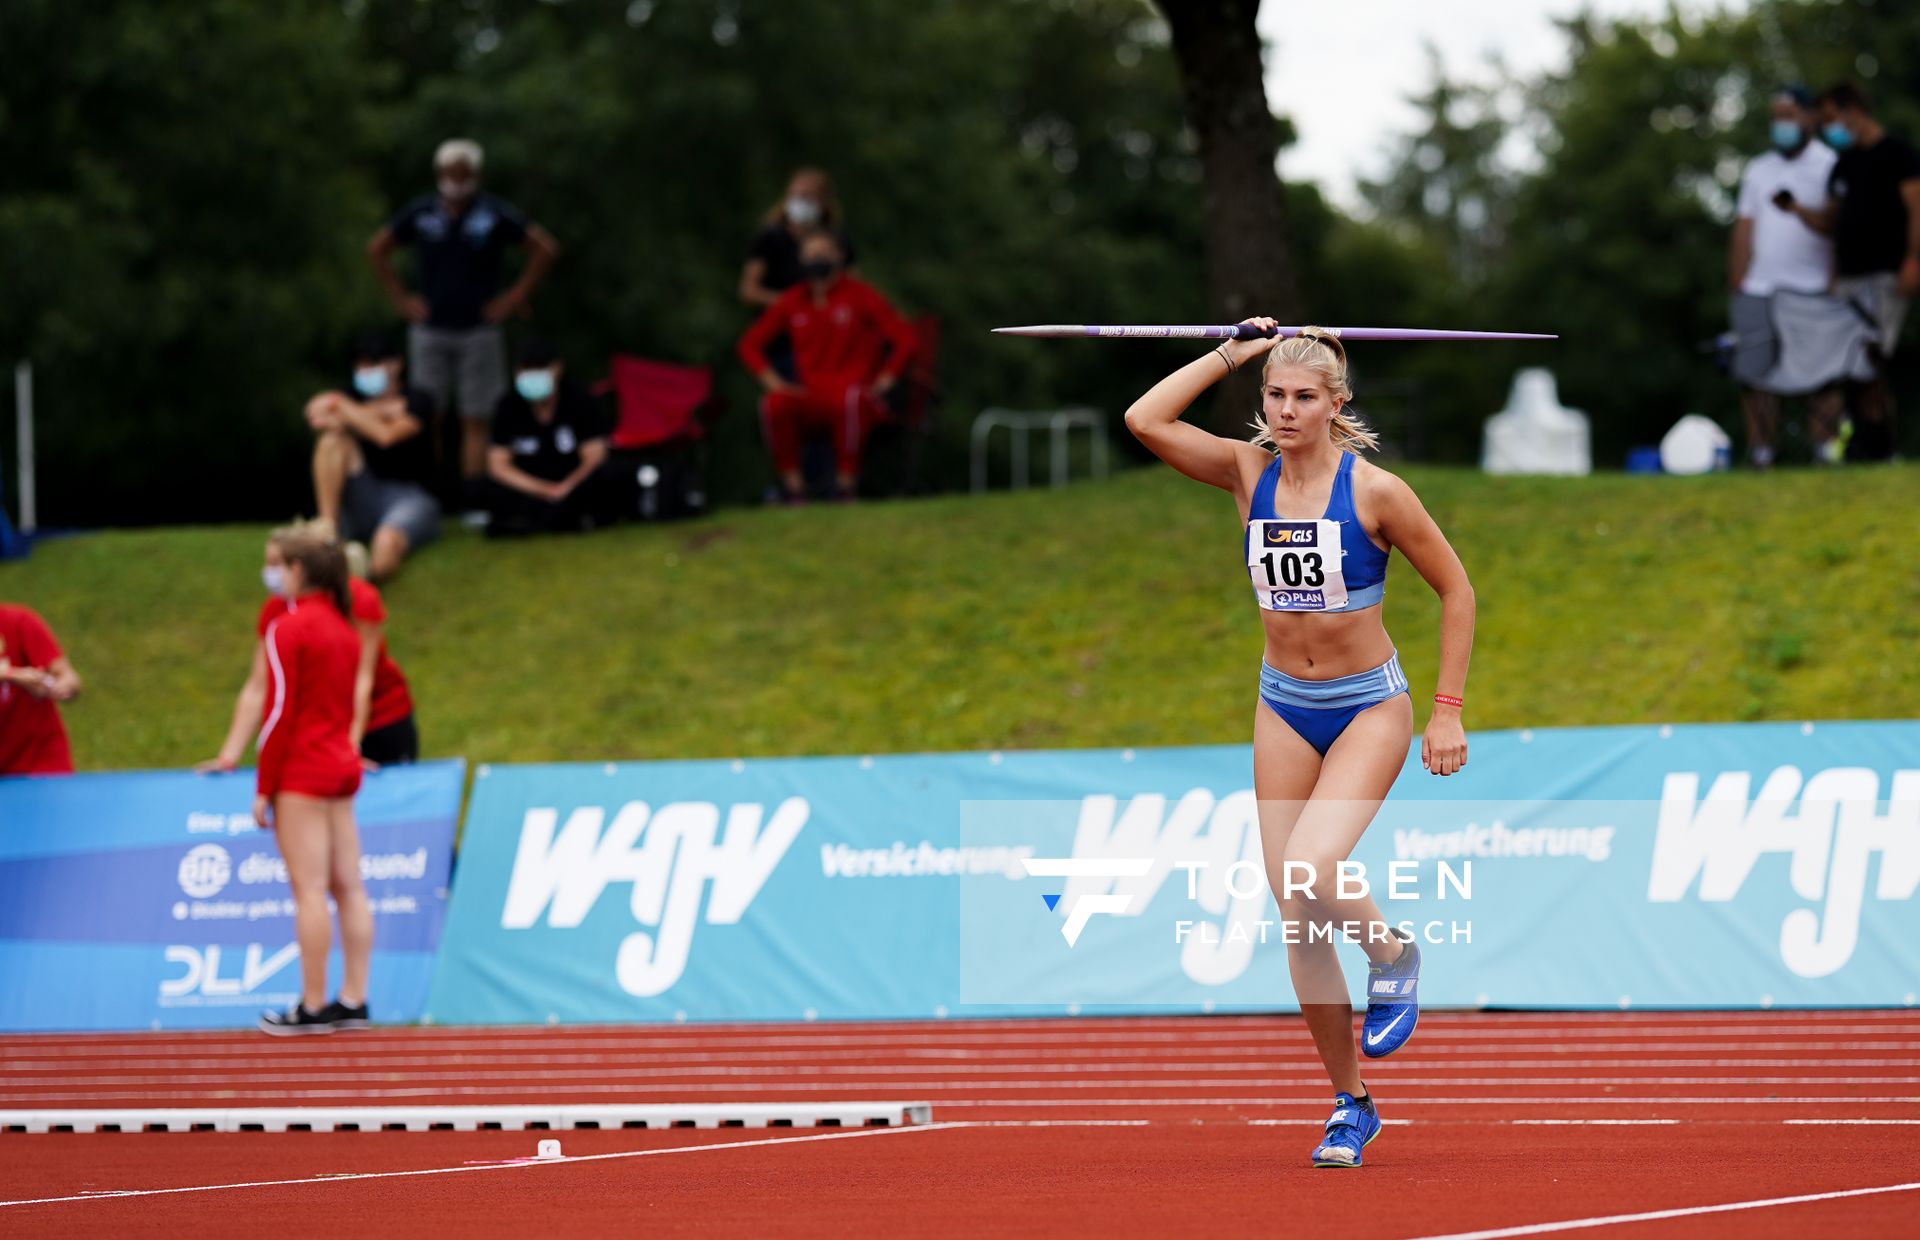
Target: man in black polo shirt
<point x="371" y="459"/>
<point x="458" y="237"/>
<point x="547" y="467"/>
<point x="1873" y="211"/>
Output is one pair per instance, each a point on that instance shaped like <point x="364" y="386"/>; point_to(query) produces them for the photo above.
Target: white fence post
<point x="23" y="408"/>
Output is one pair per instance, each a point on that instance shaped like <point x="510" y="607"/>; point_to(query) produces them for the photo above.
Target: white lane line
<point x="628" y="1093"/>
<point x="1874" y="1122"/>
<point x="1600" y="1122"/>
<point x="1056" y="1123"/>
<point x="1166" y="1020"/>
<point x="1648" y="1216"/>
<point x="1438" y="1018"/>
<point x="1276" y="1031"/>
<point x="680" y="1083"/>
<point x="1314" y="1123"/>
<point x="721" y="1063"/>
<point x="1396" y="1102"/>
<point x="465" y="1169"/>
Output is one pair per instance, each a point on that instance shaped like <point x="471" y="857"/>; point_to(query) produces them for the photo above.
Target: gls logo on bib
<point x="561" y="870"/>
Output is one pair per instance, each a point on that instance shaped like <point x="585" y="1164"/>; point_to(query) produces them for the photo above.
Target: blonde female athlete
<point x="1333" y="720"/>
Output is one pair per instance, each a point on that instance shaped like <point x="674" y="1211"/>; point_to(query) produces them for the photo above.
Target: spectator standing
<point x="34" y="677"/>
<point x="773" y="260"/>
<point x="383" y="726"/>
<point x="850" y="347"/>
<point x="372" y="461"/>
<point x="547" y="465"/>
<point x="1772" y="249"/>
<point x="1873" y="211"/>
<point x="454" y="340"/>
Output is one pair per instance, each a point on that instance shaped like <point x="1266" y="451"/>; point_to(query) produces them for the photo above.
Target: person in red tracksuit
<point x="308" y="772"/>
<point x="849" y="347"/>
<point x="383" y="726"/>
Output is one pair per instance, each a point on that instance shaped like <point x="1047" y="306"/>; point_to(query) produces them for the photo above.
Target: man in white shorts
<point x="1773" y="250"/>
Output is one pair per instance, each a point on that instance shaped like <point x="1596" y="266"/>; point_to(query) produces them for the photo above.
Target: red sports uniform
<point x="33" y="741"/>
<point x="313" y="654"/>
<point x="392" y="701"/>
<point x="841" y="345"/>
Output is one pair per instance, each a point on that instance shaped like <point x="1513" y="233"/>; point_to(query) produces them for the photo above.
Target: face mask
<point x="273" y="577"/>
<point x="1787" y="135"/>
<point x="456" y="191"/>
<point x="820" y="269"/>
<point x="803" y="211"/>
<point x="1837" y="135"/>
<point x="370" y="381"/>
<point x="534" y="385"/>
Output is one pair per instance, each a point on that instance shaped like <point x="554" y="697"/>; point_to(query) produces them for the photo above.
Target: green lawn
<point x="1108" y="614"/>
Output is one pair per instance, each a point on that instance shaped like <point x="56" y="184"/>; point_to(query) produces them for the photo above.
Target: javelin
<point x="1243" y="331"/>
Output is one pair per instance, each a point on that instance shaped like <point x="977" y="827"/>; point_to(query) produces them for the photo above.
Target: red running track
<point x="1753" y="1124"/>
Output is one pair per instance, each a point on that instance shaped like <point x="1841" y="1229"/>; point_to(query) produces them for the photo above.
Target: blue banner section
<point x="150" y="900"/>
<point x="1691" y="866"/>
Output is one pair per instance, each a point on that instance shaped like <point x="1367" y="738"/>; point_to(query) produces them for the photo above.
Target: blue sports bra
<point x="1362" y="564"/>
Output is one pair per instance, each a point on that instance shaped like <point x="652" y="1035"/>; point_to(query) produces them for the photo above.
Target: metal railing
<point x="1059" y="425"/>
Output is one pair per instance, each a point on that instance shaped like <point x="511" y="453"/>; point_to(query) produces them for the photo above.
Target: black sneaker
<point x="340" y="1016"/>
<point x="297" y="1020"/>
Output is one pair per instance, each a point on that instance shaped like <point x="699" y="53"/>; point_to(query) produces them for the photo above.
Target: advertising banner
<point x="150" y="900"/>
<point x="1690" y="866"/>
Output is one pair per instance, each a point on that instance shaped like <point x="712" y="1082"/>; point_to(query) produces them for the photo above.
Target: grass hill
<point x="1105" y="615"/>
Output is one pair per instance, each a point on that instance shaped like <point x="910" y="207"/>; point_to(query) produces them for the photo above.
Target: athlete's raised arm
<point x="1155" y="421"/>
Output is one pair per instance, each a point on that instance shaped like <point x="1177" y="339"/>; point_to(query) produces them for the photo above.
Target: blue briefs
<point x="1320" y="710"/>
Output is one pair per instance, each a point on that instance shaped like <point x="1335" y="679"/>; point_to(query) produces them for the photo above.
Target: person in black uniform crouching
<point x="547" y="464"/>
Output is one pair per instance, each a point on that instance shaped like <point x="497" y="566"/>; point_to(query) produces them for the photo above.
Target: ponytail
<point x="324" y="565"/>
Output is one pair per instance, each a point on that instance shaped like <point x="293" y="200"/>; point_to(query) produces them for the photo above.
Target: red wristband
<point x="1447" y="699"/>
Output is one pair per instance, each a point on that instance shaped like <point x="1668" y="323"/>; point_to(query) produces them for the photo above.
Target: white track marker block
<point x="472" y="1118"/>
<point x="547" y="1149"/>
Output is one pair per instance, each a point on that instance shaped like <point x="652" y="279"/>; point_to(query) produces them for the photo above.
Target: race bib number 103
<point x="1295" y="565"/>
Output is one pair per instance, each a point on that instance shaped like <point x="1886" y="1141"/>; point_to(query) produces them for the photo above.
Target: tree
<point x="1249" y="255"/>
<point x="180" y="229"/>
<point x="180" y="226"/>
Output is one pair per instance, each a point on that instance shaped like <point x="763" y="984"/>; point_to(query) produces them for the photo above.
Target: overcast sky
<point x="1342" y="68"/>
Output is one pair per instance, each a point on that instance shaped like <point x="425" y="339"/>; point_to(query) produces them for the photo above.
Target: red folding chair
<point x="914" y="405"/>
<point x="659" y="429"/>
<point x="910" y="406"/>
<point x="659" y="404"/>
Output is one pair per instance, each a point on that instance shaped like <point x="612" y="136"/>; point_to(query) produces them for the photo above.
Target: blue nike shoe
<point x="1393" y="1003"/>
<point x="1351" y="1129"/>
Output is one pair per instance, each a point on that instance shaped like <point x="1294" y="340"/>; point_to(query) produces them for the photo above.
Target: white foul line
<point x="464" y="1169"/>
<point x="1534" y="1229"/>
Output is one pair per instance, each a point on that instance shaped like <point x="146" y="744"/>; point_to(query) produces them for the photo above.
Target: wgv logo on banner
<point x="1830" y="825"/>
<point x="669" y="855"/>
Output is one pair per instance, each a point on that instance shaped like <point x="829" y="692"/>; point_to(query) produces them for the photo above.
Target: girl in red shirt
<point x="34" y="675"/>
<point x="383" y="724"/>
<point x="308" y="772"/>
